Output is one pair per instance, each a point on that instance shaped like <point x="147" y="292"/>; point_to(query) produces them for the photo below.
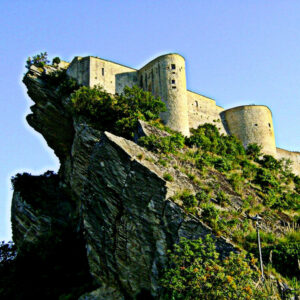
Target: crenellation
<point x="165" y="76"/>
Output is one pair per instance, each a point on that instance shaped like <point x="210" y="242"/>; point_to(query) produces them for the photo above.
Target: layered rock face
<point x="115" y="196"/>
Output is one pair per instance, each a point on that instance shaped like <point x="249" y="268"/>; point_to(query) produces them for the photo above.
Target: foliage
<point x="285" y="256"/>
<point x="168" y="177"/>
<point x="166" y="144"/>
<point x="253" y="151"/>
<point x="39" y="60"/>
<point x="56" y="60"/>
<point x="222" y="198"/>
<point x="269" y="162"/>
<point x="34" y="189"/>
<point x="118" y="114"/>
<point x="196" y="272"/>
<point x="266" y="179"/>
<point x="210" y="213"/>
<point x="7" y="252"/>
<point x="202" y="196"/>
<point x="207" y="138"/>
<point x="56" y="265"/>
<point x="237" y="182"/>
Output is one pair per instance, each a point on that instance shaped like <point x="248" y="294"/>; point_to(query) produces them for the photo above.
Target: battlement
<point x="165" y="77"/>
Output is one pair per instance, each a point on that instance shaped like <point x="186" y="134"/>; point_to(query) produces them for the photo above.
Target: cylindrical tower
<point x="252" y="124"/>
<point x="165" y="77"/>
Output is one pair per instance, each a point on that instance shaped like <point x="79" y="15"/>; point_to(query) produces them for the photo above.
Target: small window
<point x="196" y="103"/>
<point x="173" y="81"/>
<point x="173" y="87"/>
<point x="255" y="124"/>
<point x="173" y="67"/>
<point x="269" y="125"/>
<point x="173" y="72"/>
<point x="102" y="71"/>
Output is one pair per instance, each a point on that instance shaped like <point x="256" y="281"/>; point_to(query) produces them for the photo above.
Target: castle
<point x="165" y="77"/>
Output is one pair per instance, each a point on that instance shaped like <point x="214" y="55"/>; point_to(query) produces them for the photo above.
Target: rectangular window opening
<point x="173" y="81"/>
<point x="173" y="67"/>
<point x="102" y="71"/>
<point x="173" y="87"/>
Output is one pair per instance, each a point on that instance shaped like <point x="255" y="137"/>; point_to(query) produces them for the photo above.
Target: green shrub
<point x="271" y="163"/>
<point x="168" y="177"/>
<point x="222" y="198"/>
<point x="209" y="212"/>
<point x="208" y="138"/>
<point x="196" y="272"/>
<point x="237" y="182"/>
<point x="56" y="60"/>
<point x="167" y="144"/>
<point x="223" y="164"/>
<point x="202" y="196"/>
<point x="253" y="151"/>
<point x="118" y="114"/>
<point x="39" y="60"/>
<point x="285" y="257"/>
<point x="249" y="169"/>
<point x="266" y="179"/>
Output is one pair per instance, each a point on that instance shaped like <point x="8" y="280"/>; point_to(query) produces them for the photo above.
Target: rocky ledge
<point x="111" y="192"/>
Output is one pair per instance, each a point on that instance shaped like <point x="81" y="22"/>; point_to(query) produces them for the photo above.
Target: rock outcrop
<point x="115" y="196"/>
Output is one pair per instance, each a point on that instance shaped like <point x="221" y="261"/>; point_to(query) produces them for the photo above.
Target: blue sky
<point x="237" y="52"/>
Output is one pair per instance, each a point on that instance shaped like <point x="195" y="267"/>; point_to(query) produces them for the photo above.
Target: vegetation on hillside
<point x="231" y="183"/>
<point x="118" y="114"/>
<point x="195" y="271"/>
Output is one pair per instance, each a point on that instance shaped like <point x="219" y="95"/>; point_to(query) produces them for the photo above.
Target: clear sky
<point x="237" y="52"/>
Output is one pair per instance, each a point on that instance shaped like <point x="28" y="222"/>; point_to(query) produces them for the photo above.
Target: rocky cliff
<point x="112" y="194"/>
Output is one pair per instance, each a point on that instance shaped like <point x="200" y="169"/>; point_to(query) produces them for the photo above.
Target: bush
<point x="223" y="164"/>
<point x="56" y="60"/>
<point x="249" y="169"/>
<point x="39" y="60"/>
<point x="222" y="198"/>
<point x="253" y="151"/>
<point x="266" y="179"/>
<point x="196" y="272"/>
<point x="118" y="114"/>
<point x="202" y="196"/>
<point x="168" y="177"/>
<point x="167" y="144"/>
<point x="8" y="252"/>
<point x="207" y="138"/>
<point x="210" y="212"/>
<point x="285" y="257"/>
<point x="269" y="162"/>
<point x="237" y="182"/>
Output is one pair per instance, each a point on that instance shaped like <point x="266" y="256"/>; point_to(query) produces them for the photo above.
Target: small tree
<point x="7" y="251"/>
<point x="253" y="151"/>
<point x="196" y="272"/>
<point x="39" y="60"/>
<point x="56" y="60"/>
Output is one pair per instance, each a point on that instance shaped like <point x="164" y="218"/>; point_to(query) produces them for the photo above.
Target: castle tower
<point x="165" y="77"/>
<point x="252" y="124"/>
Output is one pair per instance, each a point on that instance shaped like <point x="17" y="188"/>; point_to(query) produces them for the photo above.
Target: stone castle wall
<point x="79" y="69"/>
<point x="293" y="156"/>
<point x="203" y="110"/>
<point x="91" y="71"/>
<point x="252" y="124"/>
<point x="165" y="77"/>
